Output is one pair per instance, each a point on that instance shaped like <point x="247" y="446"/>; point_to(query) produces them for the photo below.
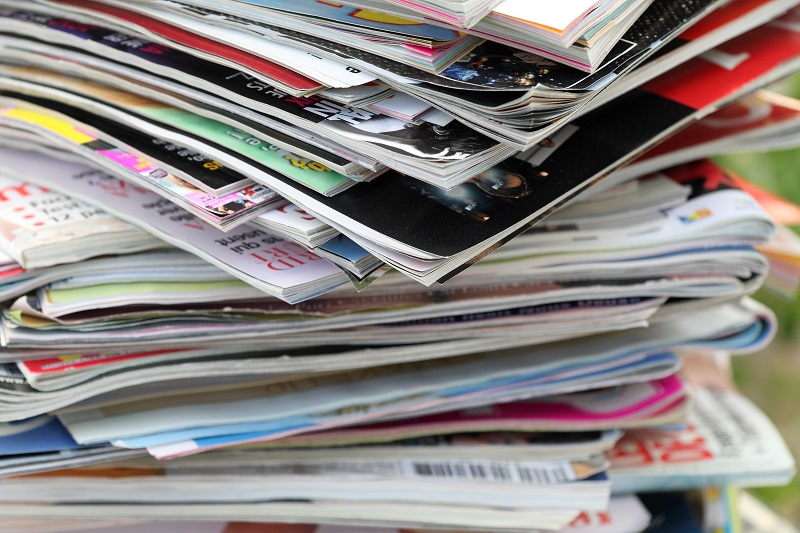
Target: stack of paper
<point x="306" y="263"/>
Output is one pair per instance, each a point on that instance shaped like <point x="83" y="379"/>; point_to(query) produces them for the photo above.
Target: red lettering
<point x="278" y="258"/>
<point x="69" y="25"/>
<point x="152" y="49"/>
<point x="306" y="216"/>
<point x="284" y="264"/>
<point x="688" y="446"/>
<point x="581" y="520"/>
<point x="300" y="251"/>
<point x="303" y="101"/>
<point x="20" y="190"/>
<point x="630" y="453"/>
<point x="585" y="519"/>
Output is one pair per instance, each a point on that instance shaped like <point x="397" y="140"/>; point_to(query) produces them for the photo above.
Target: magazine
<point x="223" y="212"/>
<point x="632" y="404"/>
<point x="422" y="46"/>
<point x="88" y="66"/>
<point x="726" y="441"/>
<point x="510" y="484"/>
<point x="202" y="172"/>
<point x="672" y="100"/>
<point x="344" y="513"/>
<point x="723" y="24"/>
<point x="40" y="228"/>
<point x="592" y="344"/>
<point x="162" y="264"/>
<point x="761" y="121"/>
<point x="293" y="222"/>
<point x="578" y="34"/>
<point x="174" y="29"/>
<point x="287" y="79"/>
<point x="100" y="100"/>
<point x="255" y="256"/>
<point x="625" y="514"/>
<point x="462" y="13"/>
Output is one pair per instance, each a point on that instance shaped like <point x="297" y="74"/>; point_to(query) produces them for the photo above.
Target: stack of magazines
<point x="390" y="266"/>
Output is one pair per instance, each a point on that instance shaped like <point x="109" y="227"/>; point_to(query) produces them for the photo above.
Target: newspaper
<point x="727" y="440"/>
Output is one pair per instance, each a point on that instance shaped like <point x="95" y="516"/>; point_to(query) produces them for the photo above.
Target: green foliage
<point x="772" y="378"/>
<point x="779" y="173"/>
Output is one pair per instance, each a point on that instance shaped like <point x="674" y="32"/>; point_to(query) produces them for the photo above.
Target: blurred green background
<point x="772" y="378"/>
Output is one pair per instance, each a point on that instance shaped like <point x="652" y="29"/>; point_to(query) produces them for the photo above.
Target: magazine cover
<point x="515" y="192"/>
<point x="518" y="192"/>
<point x="500" y="66"/>
<point x="425" y="141"/>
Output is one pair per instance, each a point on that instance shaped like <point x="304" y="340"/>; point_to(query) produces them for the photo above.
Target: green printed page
<point x="166" y="290"/>
<point x="309" y="173"/>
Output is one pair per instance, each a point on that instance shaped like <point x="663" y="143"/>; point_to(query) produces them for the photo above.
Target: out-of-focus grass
<point x="772" y="378"/>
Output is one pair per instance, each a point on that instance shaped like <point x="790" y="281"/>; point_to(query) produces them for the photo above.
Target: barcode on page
<point x="494" y="471"/>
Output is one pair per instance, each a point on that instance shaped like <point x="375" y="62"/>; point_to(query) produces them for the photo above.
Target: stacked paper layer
<point x="382" y="267"/>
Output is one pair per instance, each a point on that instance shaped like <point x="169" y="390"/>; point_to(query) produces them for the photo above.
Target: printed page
<point x="257" y="257"/>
